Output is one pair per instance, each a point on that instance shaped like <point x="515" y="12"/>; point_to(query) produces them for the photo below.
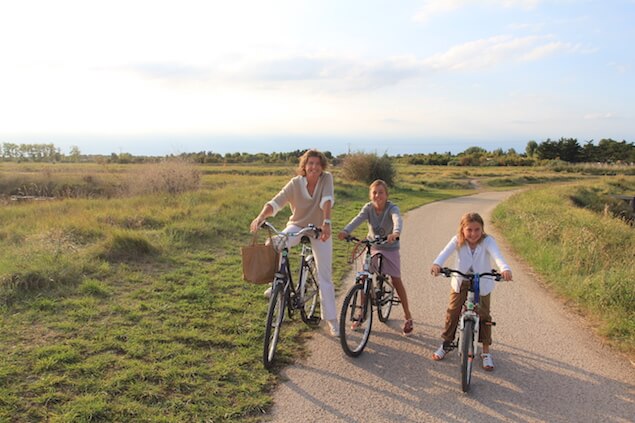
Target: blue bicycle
<point x="467" y="333"/>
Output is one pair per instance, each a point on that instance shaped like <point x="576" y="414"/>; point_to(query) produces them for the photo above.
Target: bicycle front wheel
<point x="467" y="354"/>
<point x="310" y="295"/>
<point x="356" y="320"/>
<point x="275" y="316"/>
<point x="384" y="296"/>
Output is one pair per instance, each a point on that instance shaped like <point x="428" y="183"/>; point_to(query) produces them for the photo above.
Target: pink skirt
<point x="391" y="264"/>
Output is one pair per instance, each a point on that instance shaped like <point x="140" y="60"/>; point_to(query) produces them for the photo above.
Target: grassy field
<point x="585" y="256"/>
<point x="120" y="302"/>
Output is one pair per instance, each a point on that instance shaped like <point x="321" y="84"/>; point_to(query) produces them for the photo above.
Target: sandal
<point x="407" y="327"/>
<point x="488" y="363"/>
<point x="439" y="354"/>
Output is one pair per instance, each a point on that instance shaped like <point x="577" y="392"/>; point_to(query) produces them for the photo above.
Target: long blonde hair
<point x="301" y="170"/>
<point x="466" y="219"/>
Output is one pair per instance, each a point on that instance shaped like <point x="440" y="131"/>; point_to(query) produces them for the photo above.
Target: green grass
<point x="133" y="308"/>
<point x="583" y="255"/>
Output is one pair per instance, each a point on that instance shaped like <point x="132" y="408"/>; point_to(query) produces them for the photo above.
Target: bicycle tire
<point x="384" y="297"/>
<point x="310" y="297"/>
<point x="275" y="316"/>
<point x="467" y="354"/>
<point x="356" y="308"/>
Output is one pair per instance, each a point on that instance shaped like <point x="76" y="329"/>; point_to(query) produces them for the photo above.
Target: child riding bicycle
<point x="384" y="219"/>
<point x="474" y="252"/>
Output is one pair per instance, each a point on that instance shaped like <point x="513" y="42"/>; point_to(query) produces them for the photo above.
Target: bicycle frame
<point x="284" y="293"/>
<point x="469" y="313"/>
<point x="371" y="289"/>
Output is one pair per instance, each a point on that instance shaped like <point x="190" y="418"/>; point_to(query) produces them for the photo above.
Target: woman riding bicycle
<point x="384" y="219"/>
<point x="310" y="196"/>
<point x="474" y="251"/>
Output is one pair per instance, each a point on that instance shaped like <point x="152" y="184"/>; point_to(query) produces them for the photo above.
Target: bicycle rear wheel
<point x="310" y="295"/>
<point x="384" y="296"/>
<point x="275" y="316"/>
<point x="467" y="354"/>
<point x="356" y="320"/>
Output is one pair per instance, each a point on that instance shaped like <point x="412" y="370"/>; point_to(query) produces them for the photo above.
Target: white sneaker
<point x="488" y="363"/>
<point x="334" y="327"/>
<point x="267" y="293"/>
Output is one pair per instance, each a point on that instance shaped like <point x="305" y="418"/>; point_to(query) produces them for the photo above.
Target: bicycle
<point x="285" y="294"/>
<point x="371" y="288"/>
<point x="468" y="328"/>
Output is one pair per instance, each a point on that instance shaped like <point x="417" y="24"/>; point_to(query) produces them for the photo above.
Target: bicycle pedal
<point x="490" y="323"/>
<point x="396" y="301"/>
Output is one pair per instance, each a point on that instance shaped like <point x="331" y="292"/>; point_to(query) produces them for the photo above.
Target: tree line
<point x="565" y="149"/>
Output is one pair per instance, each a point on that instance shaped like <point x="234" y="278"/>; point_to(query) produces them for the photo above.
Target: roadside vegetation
<point x="581" y="238"/>
<point x="125" y="304"/>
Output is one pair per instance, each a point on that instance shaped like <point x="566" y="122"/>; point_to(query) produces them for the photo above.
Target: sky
<point x="395" y="76"/>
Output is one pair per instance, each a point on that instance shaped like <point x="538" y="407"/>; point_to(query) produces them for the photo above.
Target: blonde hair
<point x="466" y="219"/>
<point x="375" y="183"/>
<point x="305" y="158"/>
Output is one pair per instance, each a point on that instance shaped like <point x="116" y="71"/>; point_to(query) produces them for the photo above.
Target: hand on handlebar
<point x="435" y="270"/>
<point x="507" y="275"/>
<point x="325" y="232"/>
<point x="255" y="224"/>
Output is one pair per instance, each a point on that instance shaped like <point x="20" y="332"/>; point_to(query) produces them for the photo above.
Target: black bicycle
<point x="371" y="288"/>
<point x="467" y="332"/>
<point x="303" y="297"/>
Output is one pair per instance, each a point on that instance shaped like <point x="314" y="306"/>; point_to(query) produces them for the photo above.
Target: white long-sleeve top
<point x="477" y="261"/>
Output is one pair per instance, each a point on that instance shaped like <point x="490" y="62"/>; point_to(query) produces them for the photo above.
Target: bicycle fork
<point x="473" y="316"/>
<point x="363" y="279"/>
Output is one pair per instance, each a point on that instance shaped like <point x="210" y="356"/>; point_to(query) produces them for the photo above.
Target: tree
<point x="74" y="153"/>
<point x="548" y="150"/>
<point x="532" y="147"/>
<point x="569" y="150"/>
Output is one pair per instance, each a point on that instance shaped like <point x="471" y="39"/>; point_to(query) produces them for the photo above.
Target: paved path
<point x="548" y="367"/>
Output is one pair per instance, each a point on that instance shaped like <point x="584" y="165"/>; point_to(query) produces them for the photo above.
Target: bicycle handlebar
<point x="303" y="231"/>
<point x="377" y="241"/>
<point x="447" y="272"/>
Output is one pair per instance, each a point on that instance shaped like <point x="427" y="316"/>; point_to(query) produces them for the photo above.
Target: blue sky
<point x="400" y="76"/>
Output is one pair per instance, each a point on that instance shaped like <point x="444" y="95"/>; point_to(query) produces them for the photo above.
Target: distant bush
<point x="366" y="167"/>
<point x="170" y="177"/>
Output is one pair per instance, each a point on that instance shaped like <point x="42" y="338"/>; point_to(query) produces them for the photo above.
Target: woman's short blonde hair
<point x="305" y="158"/>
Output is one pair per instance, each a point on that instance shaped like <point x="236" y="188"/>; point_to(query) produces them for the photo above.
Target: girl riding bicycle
<point x="384" y="219"/>
<point x="474" y="252"/>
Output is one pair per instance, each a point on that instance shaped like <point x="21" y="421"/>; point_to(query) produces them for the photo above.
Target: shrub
<point x="366" y="167"/>
<point x="125" y="245"/>
<point x="171" y="177"/>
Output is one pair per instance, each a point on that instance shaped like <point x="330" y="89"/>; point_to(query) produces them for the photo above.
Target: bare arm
<point x="267" y="211"/>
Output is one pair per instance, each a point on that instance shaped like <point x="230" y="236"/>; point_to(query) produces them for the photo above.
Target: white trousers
<point x="323" y="255"/>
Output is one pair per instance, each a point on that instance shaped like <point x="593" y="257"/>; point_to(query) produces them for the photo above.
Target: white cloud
<point x="494" y="50"/>
<point x="548" y="49"/>
<point x="599" y="116"/>
<point x="337" y="73"/>
<point x="437" y="7"/>
<point x="619" y="67"/>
